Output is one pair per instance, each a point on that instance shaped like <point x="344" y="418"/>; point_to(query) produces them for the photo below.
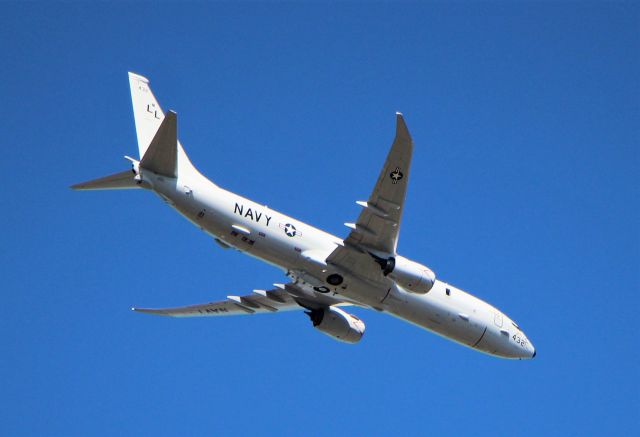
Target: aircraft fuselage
<point x="300" y="250"/>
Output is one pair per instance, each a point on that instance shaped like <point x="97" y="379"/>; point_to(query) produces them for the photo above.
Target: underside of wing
<point x="287" y="297"/>
<point x="261" y="301"/>
<point x="378" y="225"/>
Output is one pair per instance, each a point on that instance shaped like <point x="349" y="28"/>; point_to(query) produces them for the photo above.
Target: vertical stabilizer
<point x="149" y="117"/>
<point x="146" y="111"/>
<point x="161" y="156"/>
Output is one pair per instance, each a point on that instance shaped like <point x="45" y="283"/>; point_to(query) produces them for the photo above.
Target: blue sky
<point x="524" y="191"/>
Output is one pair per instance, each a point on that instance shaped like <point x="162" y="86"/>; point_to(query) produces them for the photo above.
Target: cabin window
<point x="448" y="292"/>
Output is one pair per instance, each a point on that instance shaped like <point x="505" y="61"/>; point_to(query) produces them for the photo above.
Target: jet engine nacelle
<point x="337" y="324"/>
<point x="412" y="276"/>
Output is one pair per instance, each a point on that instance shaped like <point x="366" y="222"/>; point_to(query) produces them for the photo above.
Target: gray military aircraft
<point x="326" y="273"/>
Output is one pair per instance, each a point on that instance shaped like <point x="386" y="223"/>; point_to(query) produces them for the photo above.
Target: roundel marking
<point x="396" y="175"/>
<point x="290" y="230"/>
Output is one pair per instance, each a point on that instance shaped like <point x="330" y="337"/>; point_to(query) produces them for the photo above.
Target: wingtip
<point x="401" y="127"/>
<point x="81" y="186"/>
<point x="155" y="311"/>
<point x="146" y="310"/>
<point x="143" y="310"/>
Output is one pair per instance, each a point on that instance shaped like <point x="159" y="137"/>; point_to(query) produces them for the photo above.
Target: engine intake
<point x="412" y="276"/>
<point x="337" y="324"/>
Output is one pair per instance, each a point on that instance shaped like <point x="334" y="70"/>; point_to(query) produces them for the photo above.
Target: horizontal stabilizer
<point x="162" y="155"/>
<point x="118" y="181"/>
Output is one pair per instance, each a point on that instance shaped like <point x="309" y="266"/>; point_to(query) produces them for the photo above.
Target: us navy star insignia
<point x="396" y="175"/>
<point x="289" y="229"/>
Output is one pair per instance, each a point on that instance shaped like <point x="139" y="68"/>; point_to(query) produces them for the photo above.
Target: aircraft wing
<point x="261" y="301"/>
<point x="378" y="225"/>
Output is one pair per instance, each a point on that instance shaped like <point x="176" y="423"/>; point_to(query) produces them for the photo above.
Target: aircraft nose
<point x="532" y="350"/>
<point x="528" y="353"/>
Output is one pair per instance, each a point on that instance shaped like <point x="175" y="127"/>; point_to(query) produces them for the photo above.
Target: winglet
<point x="402" y="131"/>
<point x="157" y="311"/>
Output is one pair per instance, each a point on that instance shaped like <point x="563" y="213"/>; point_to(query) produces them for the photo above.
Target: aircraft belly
<point x="303" y="254"/>
<point x="456" y="322"/>
<point x="366" y="293"/>
<point x="220" y="216"/>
